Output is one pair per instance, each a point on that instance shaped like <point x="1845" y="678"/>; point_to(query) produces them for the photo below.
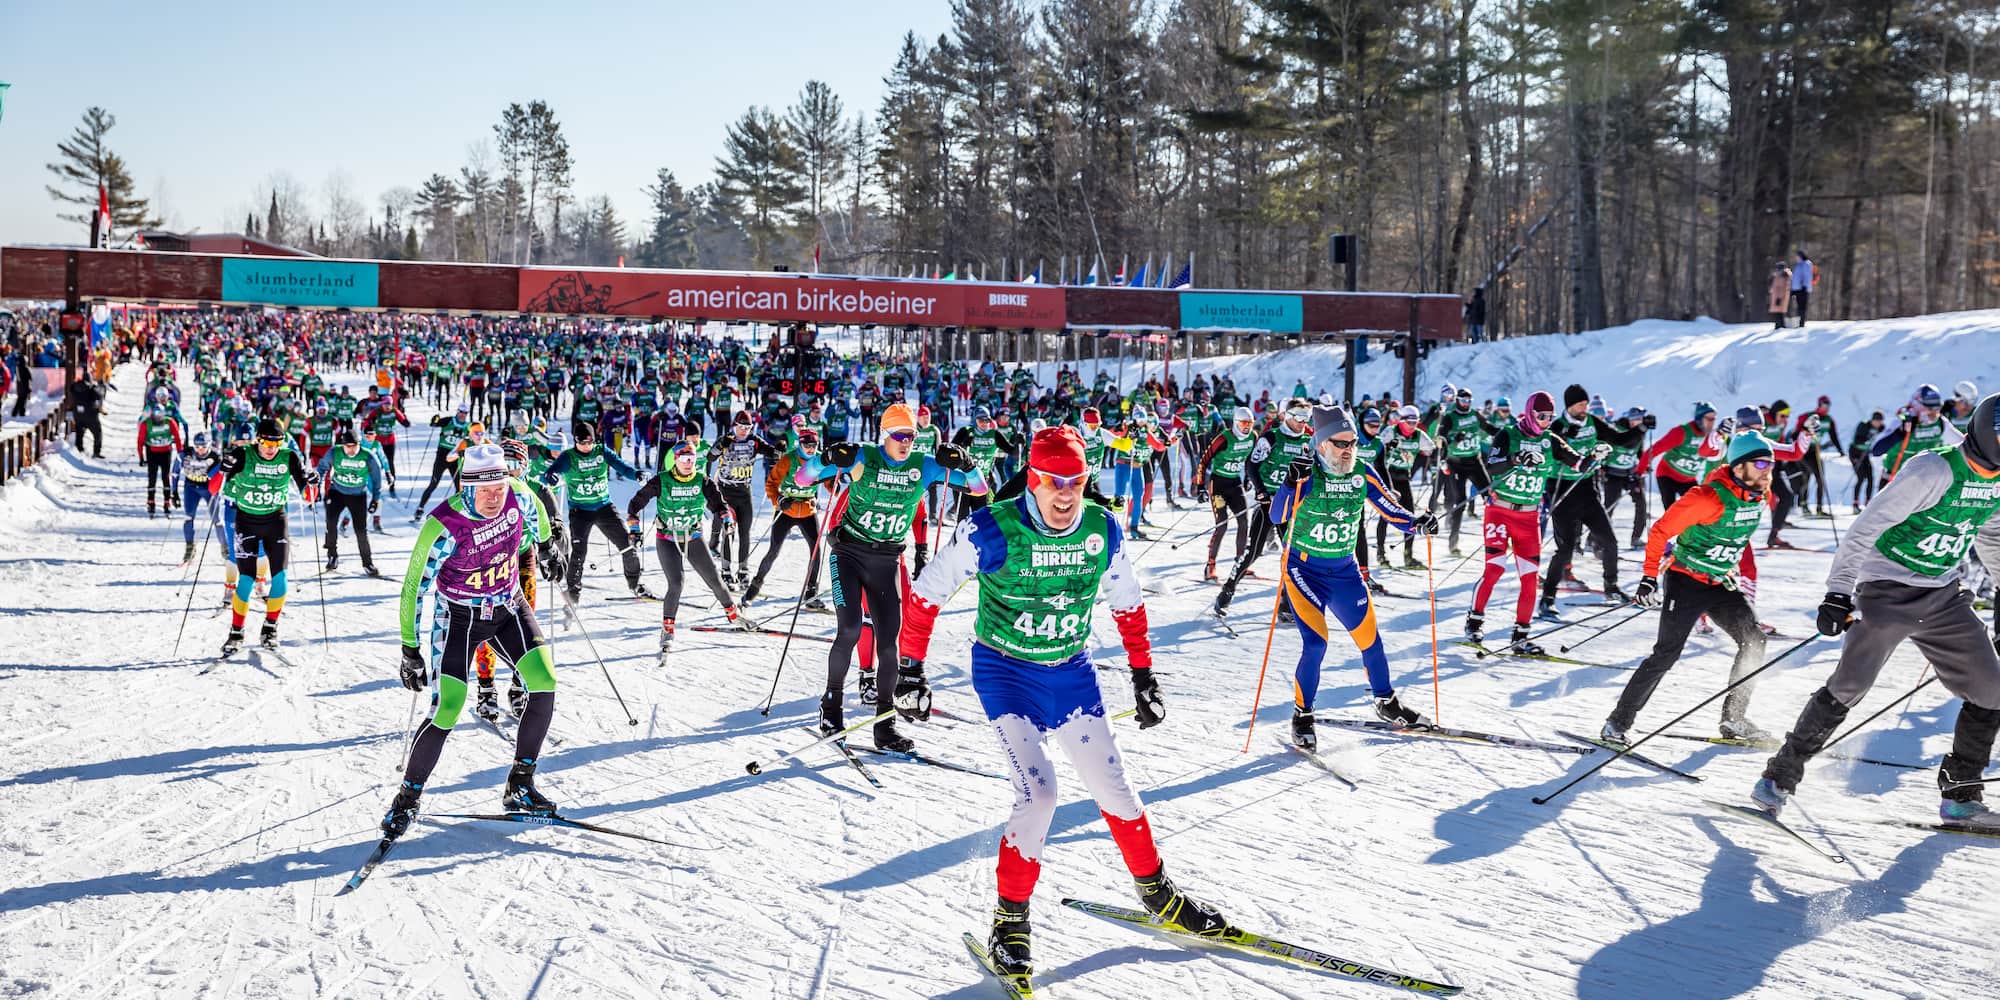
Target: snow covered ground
<point x="168" y="833"/>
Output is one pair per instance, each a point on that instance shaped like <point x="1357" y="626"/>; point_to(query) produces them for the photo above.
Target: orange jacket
<point x="1697" y="506"/>
<point x="780" y="469"/>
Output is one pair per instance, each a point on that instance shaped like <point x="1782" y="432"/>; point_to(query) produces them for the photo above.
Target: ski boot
<point x="867" y="685"/>
<point x="750" y="592"/>
<point x="1139" y="534"/>
<point x="267" y="637"/>
<point x="1008" y="946"/>
<point x="369" y="568"/>
<point x="402" y="809"/>
<point x="488" y="705"/>
<point x="1164" y="900"/>
<point x="640" y="592"/>
<point x="1222" y="599"/>
<point x="1971" y="815"/>
<point x="332" y="563"/>
<point x="1745" y="730"/>
<point x="1455" y="552"/>
<point x="517" y="697"/>
<point x="738" y="621"/>
<point x="521" y="796"/>
<point x="1612" y="732"/>
<point x="1475" y="627"/>
<point x="1208" y="573"/>
<point x="887" y="738"/>
<point x="1613" y="595"/>
<point x="1520" y="645"/>
<point x="1303" y="735"/>
<point x="1374" y="585"/>
<point x="1286" y="617"/>
<point x="235" y="640"/>
<point x="818" y="604"/>
<point x="1394" y="712"/>
<point x="1412" y="562"/>
<point x="187" y="554"/>
<point x="1546" y="610"/>
<point x="1766" y="795"/>
<point x="831" y="715"/>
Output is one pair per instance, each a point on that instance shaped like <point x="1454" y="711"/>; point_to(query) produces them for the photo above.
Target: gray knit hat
<point x="1330" y="420"/>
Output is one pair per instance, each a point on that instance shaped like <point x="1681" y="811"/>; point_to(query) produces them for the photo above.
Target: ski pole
<point x="193" y="586"/>
<point x="1227" y="513"/>
<point x="1705" y="702"/>
<point x="757" y="766"/>
<point x="1642" y="610"/>
<point x="409" y="733"/>
<point x="1586" y="618"/>
<point x="1164" y="533"/>
<point x="812" y="563"/>
<point x="1271" y="633"/>
<point x="577" y="616"/>
<point x="1884" y="710"/>
<point x="1437" y="696"/>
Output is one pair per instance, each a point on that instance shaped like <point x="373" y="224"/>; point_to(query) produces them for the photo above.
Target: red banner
<point x="806" y="298"/>
<point x="1033" y="307"/>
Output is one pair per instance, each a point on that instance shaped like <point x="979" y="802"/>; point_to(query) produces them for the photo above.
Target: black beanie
<point x="1573" y="395"/>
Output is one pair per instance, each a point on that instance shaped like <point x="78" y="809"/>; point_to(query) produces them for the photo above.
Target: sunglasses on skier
<point x="902" y="437"/>
<point x="1060" y="482"/>
<point x="1343" y="444"/>
<point x="273" y="442"/>
<point x="1761" y="464"/>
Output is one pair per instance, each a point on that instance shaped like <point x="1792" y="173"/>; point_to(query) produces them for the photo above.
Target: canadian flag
<point x="104" y="209"/>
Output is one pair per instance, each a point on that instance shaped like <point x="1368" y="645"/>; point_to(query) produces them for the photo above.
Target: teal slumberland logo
<point x="1229" y="311"/>
<point x="285" y="281"/>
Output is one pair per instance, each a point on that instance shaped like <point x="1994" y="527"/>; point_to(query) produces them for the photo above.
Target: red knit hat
<point x="1057" y="451"/>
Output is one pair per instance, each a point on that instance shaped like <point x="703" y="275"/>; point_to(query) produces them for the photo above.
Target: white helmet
<point x="1965" y="392"/>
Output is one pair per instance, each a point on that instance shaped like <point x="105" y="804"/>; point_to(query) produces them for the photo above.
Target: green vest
<point x="1522" y="485"/>
<point x="1714" y="549"/>
<point x="1583" y="443"/>
<point x="680" y="504"/>
<point x="1328" y="521"/>
<point x="349" y="473"/>
<point x="1921" y="438"/>
<point x="159" y="432"/>
<point x="883" y="499"/>
<point x="1463" y="432"/>
<point x="1142" y="447"/>
<point x="924" y="445"/>
<point x="789" y="488"/>
<point x="1289" y="447"/>
<point x="1037" y="607"/>
<point x="1093" y="449"/>
<point x="588" y="477"/>
<point x="984" y="446"/>
<point x="1229" y="459"/>
<point x="1685" y="458"/>
<point x="1933" y="540"/>
<point x="1623" y="459"/>
<point x="1403" y="451"/>
<point x="452" y="432"/>
<point x="260" y="487"/>
<point x="320" y="432"/>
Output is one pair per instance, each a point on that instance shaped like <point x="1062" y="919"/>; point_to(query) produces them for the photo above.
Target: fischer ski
<point x="758" y="629"/>
<point x="1942" y="827"/>
<point x="1640" y="759"/>
<point x="847" y="752"/>
<point x="1484" y="651"/>
<point x="1317" y="761"/>
<point x="536" y="819"/>
<point x="1262" y="946"/>
<point x="918" y="758"/>
<point x="368" y="866"/>
<point x="1774" y="745"/>
<point x="1463" y="735"/>
<point x="1018" y="987"/>
<point x="1767" y="819"/>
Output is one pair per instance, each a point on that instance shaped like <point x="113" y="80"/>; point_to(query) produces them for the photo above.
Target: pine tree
<point x="760" y="165"/>
<point x="670" y="236"/>
<point x="85" y="164"/>
<point x="815" y="123"/>
<point x="274" y="225"/>
<point x="439" y="199"/>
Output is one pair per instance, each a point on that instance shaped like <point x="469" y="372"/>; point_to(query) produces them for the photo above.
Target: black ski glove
<point x="374" y="505"/>
<point x="1647" y="593"/>
<point x="843" y="454"/>
<point x="953" y="457"/>
<point x="1300" y="471"/>
<point x="913" y="692"/>
<point x="1836" y="613"/>
<point x="1425" y="524"/>
<point x="1146" y="698"/>
<point x="412" y="669"/>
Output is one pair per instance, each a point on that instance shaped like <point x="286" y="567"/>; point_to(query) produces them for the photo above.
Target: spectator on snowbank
<point x="1475" y="316"/>
<point x="1804" y="277"/>
<point x="1781" y="295"/>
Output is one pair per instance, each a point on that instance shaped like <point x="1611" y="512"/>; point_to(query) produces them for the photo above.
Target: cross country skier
<point x="1326" y="491"/>
<point x="586" y="470"/>
<point x="1403" y="449"/>
<point x="1518" y="461"/>
<point x="159" y="440"/>
<point x="1897" y="576"/>
<point x="451" y="431"/>
<point x="469" y="546"/>
<point x="1923" y="429"/>
<point x="352" y="479"/>
<point x="680" y="494"/>
<point x="255" y="479"/>
<point x="734" y="462"/>
<point x="1680" y="466"/>
<point x="197" y="465"/>
<point x="1576" y="507"/>
<point x="1710" y="528"/>
<point x="793" y="508"/>
<point x="1289" y="437"/>
<point x="1041" y="560"/>
<point x="872" y="523"/>
<point x="1218" y="481"/>
<point x="1463" y="433"/>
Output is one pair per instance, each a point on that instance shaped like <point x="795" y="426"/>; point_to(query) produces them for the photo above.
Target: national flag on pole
<point x="1139" y="277"/>
<point x="1185" y="279"/>
<point x="1035" y="278"/>
<point x="1092" y="279"/>
<point x="815" y="259"/>
<point x="104" y="209"/>
<point x="1119" y="278"/>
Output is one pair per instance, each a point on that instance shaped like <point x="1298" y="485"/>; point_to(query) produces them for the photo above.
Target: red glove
<point x="311" y="493"/>
<point x="919" y="616"/>
<point x="1131" y="631"/>
<point x="215" y="485"/>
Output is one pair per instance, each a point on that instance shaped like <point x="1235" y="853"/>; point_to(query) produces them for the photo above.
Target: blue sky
<point x="213" y="98"/>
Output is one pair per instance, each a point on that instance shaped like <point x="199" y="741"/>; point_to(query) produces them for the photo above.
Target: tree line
<point x="1587" y="162"/>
